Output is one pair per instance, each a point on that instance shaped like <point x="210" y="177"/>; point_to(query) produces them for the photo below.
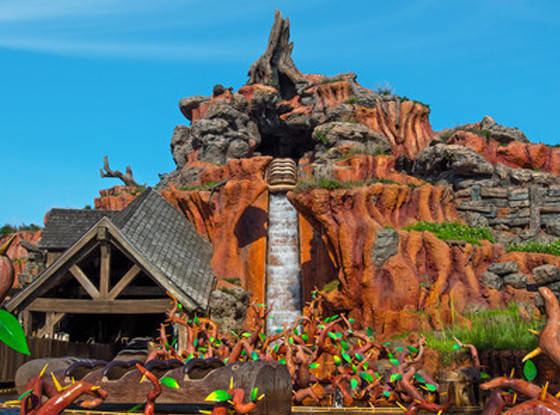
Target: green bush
<point x="454" y="231"/>
<point x="333" y="184"/>
<point x="203" y="186"/>
<point x="500" y="329"/>
<point x="552" y="248"/>
<point x="9" y="229"/>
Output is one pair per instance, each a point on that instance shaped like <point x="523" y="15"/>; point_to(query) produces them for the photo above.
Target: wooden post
<point x="51" y="320"/>
<point x="27" y="323"/>
<point x="105" y="270"/>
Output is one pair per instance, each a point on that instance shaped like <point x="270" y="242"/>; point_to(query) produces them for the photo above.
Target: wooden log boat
<point x="196" y="379"/>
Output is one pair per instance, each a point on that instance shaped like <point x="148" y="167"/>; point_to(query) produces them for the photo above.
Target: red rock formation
<point x="406" y="124"/>
<point x="233" y="216"/>
<point x="513" y="154"/>
<point x="116" y="198"/>
<point x="425" y="276"/>
<point x="362" y="167"/>
<point x="17" y="253"/>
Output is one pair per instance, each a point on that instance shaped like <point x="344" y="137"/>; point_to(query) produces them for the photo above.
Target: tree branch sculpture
<point x="127" y="178"/>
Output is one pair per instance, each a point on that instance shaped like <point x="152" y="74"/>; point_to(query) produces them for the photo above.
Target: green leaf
<point x="282" y="361"/>
<point x="196" y="320"/>
<point x="369" y="332"/>
<point x="136" y="408"/>
<point x="346" y="357"/>
<point x="353" y="383"/>
<point x="359" y="356"/>
<point x="169" y="382"/>
<point x="530" y="370"/>
<point x="276" y="347"/>
<point x="431" y="387"/>
<point x="246" y="334"/>
<point x="351" y="320"/>
<point x="305" y="337"/>
<point x="24" y="394"/>
<point x="387" y="394"/>
<point x="331" y="318"/>
<point x="331" y="335"/>
<point x="255" y="356"/>
<point x="419" y="378"/>
<point x="337" y="360"/>
<point x="218" y="395"/>
<point x="314" y="365"/>
<point x="456" y="346"/>
<point x="291" y="340"/>
<point x="366" y="376"/>
<point x="338" y="335"/>
<point x="484" y="375"/>
<point x="399" y="349"/>
<point x="394" y="377"/>
<point x="394" y="361"/>
<point x="262" y="336"/>
<point x="344" y="344"/>
<point x="366" y="365"/>
<point x="226" y="360"/>
<point x="12" y="334"/>
<point x="354" y="368"/>
<point x="254" y="394"/>
<point x="412" y="349"/>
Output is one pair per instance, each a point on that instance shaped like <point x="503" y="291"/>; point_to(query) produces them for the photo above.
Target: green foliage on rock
<point x="333" y="184"/>
<point x="456" y="231"/>
<point x="499" y="329"/>
<point x="8" y="229"/>
<point x="552" y="248"/>
<point x="203" y="186"/>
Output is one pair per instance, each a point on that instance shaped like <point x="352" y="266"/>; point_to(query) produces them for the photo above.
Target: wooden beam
<point x="85" y="282"/>
<point x="71" y="306"/>
<point x="27" y="322"/>
<point x="105" y="270"/>
<point x="51" y="320"/>
<point x="124" y="282"/>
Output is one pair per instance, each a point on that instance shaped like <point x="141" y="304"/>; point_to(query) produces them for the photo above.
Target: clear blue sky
<point x="85" y="78"/>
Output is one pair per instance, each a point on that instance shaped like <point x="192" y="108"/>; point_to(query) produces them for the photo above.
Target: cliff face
<point x="20" y="256"/>
<point x="514" y="154"/>
<point x="116" y="198"/>
<point x="233" y="215"/>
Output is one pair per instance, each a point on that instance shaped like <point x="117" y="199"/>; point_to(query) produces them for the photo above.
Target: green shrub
<point x="8" y="229"/>
<point x="552" y="248"/>
<point x="500" y="329"/>
<point x="377" y="151"/>
<point x="333" y="184"/>
<point x="203" y="186"/>
<point x="454" y="231"/>
<point x="352" y="100"/>
<point x="322" y="137"/>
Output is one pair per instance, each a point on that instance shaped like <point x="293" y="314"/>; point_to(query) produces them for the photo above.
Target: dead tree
<point x="276" y="67"/>
<point x="127" y="178"/>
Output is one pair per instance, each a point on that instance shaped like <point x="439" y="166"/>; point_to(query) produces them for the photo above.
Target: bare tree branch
<point x="127" y="178"/>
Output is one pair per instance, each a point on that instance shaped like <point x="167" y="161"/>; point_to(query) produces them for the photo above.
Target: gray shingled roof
<point x="158" y="232"/>
<point x="64" y="227"/>
<point x="163" y="236"/>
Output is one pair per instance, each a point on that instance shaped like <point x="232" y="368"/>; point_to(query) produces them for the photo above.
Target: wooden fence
<point x="10" y="360"/>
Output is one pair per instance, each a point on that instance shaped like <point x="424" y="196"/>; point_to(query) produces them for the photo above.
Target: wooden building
<point x="108" y="273"/>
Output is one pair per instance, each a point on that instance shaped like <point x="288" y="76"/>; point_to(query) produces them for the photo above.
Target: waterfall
<point x="283" y="282"/>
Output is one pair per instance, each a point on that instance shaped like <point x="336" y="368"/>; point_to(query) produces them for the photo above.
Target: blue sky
<point x="83" y="78"/>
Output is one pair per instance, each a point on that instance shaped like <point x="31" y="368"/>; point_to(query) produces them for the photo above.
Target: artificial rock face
<point x="369" y="165"/>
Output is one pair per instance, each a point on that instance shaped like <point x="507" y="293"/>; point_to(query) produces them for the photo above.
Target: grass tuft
<point x="454" y="231"/>
<point x="552" y="248"/>
<point x="499" y="329"/>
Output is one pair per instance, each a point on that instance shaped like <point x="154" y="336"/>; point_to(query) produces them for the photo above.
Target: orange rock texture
<point x="17" y="253"/>
<point x="233" y="216"/>
<point x="116" y="198"/>
<point x="364" y="167"/>
<point x="425" y="276"/>
<point x="514" y="154"/>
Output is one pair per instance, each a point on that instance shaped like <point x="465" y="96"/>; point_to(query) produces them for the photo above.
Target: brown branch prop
<point x="127" y="178"/>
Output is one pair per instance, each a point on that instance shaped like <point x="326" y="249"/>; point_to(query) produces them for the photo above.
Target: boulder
<point x="386" y="245"/>
<point x="546" y="274"/>
<point x="516" y="280"/>
<point x="489" y="279"/>
<point x="504" y="268"/>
